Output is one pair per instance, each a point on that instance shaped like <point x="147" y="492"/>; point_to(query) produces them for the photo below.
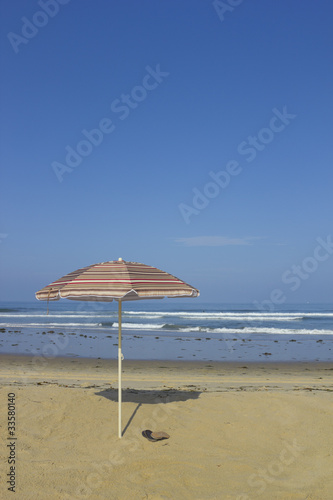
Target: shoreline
<point x="165" y="374"/>
<point x="4" y="357"/>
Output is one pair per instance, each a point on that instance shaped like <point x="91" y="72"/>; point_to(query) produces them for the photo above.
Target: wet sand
<point x="237" y="431"/>
<point x="161" y="345"/>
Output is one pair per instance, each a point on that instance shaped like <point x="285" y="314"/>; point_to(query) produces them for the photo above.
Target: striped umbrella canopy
<point x="121" y="281"/>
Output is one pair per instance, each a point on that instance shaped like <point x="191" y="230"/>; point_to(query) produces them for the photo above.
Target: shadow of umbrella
<point x="147" y="397"/>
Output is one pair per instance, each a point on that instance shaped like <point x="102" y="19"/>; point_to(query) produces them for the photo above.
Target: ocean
<point x="168" y="329"/>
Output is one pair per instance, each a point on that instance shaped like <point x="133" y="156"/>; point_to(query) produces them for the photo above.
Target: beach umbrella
<point x="121" y="281"/>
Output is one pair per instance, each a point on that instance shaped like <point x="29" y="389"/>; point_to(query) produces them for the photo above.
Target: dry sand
<point x="237" y="431"/>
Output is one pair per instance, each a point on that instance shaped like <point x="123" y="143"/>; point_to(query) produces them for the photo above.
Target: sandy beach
<point x="237" y="431"/>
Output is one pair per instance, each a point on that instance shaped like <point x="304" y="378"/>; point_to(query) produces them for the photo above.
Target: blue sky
<point x="191" y="135"/>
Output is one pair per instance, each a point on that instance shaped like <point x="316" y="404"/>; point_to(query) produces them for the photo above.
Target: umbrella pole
<point x="119" y="368"/>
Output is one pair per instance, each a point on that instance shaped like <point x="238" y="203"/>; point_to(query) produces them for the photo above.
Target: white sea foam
<point x="236" y="316"/>
<point x="59" y="315"/>
<point x="136" y="326"/>
<point x="271" y="331"/>
<point x="230" y="316"/>
<point x="228" y="331"/>
<point x="47" y="325"/>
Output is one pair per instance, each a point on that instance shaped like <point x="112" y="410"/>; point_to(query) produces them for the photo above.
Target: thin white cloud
<point x="215" y="241"/>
